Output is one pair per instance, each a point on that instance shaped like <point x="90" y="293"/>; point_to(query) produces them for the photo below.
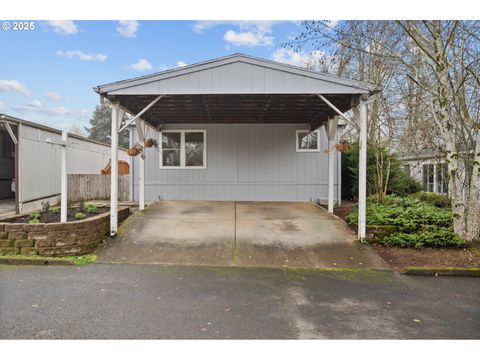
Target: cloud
<point x="181" y="63"/>
<point x="13" y="86"/>
<point x="307" y="60"/>
<point x="2" y="106"/>
<point x="141" y="65"/>
<point x="63" y="27"/>
<point x="203" y="25"/>
<point x="37" y="107"/>
<point x="128" y="28"/>
<point x="50" y="95"/>
<point x="248" y="38"/>
<point x="247" y="33"/>
<point x="81" y="55"/>
<point x="36" y="104"/>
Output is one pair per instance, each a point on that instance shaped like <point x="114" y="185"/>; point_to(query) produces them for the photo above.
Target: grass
<point x="76" y="260"/>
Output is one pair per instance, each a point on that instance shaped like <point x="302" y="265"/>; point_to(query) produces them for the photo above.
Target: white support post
<point x="141" y="171"/>
<point x="331" y="129"/>
<point x="64" y="179"/>
<point x="362" y="171"/>
<point x="117" y="115"/>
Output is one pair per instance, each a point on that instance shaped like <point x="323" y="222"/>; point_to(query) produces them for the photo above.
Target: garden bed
<point x="56" y="239"/>
<point x="400" y="258"/>
<point x="47" y="217"/>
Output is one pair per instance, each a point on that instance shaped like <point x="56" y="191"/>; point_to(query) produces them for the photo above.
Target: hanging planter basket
<point x="151" y="142"/>
<point x="135" y="150"/>
<point x="342" y="146"/>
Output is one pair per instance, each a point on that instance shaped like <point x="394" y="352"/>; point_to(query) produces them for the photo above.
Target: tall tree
<point x="449" y="54"/>
<point x="100" y="127"/>
<point x="429" y="73"/>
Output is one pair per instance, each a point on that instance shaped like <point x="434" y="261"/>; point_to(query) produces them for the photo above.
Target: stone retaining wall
<point x="57" y="239"/>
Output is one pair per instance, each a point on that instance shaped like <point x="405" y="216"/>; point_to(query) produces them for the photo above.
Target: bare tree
<point x="448" y="52"/>
<point x="429" y="73"/>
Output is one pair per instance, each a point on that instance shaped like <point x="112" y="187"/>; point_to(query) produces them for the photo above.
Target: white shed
<point x="30" y="162"/>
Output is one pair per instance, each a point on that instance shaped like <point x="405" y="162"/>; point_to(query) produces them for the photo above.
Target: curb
<point x="13" y="261"/>
<point x="419" y="271"/>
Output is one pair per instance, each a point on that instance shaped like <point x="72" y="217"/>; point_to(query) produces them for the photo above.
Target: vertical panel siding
<point x="40" y="165"/>
<point x="244" y="162"/>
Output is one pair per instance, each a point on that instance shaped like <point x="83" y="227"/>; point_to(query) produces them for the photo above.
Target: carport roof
<point x="236" y="89"/>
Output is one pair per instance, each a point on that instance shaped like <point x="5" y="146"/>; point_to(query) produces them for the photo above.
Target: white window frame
<point x="182" y="149"/>
<point x="297" y="145"/>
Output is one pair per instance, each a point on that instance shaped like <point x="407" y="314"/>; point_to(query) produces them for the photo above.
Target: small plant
<point x="80" y="216"/>
<point x="45" y="206"/>
<point x="91" y="209"/>
<point x="55" y="210"/>
<point x="34" y="215"/>
<point x="34" y="221"/>
<point x="81" y="206"/>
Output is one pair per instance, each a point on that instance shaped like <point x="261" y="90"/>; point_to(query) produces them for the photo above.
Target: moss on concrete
<point x="35" y="259"/>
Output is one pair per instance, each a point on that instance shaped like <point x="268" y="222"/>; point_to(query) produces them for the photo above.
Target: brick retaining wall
<point x="57" y="239"/>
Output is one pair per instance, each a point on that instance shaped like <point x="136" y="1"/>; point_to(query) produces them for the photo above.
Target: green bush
<point x="399" y="182"/>
<point x="55" y="210"/>
<point x="34" y="215"/>
<point x="34" y="221"/>
<point x="419" y="223"/>
<point x="90" y="208"/>
<point x="80" y="216"/>
<point x="436" y="199"/>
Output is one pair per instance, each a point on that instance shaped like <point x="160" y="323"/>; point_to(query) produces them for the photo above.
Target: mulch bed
<point x="50" y="217"/>
<point x="341" y="210"/>
<point x="399" y="258"/>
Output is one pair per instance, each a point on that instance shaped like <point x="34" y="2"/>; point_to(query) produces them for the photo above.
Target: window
<point x="184" y="149"/>
<point x="307" y="141"/>
<point x="435" y="178"/>
<point x="407" y="170"/>
<point x="428" y="171"/>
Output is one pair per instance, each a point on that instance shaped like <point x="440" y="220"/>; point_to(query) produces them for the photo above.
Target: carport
<point x="239" y="89"/>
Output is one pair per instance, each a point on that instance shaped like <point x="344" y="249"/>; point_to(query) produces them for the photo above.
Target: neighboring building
<point x="30" y="170"/>
<point x="429" y="168"/>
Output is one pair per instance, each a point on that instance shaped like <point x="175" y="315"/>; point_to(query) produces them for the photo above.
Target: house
<point x="238" y="128"/>
<point x="428" y="167"/>
<point x="30" y="164"/>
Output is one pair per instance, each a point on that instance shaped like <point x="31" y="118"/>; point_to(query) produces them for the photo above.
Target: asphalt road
<point x="172" y="302"/>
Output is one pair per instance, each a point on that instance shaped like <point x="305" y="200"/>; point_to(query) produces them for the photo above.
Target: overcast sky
<point x="47" y="74"/>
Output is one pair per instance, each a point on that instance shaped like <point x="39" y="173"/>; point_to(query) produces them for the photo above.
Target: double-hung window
<point x="183" y="149"/>
<point x="307" y="141"/>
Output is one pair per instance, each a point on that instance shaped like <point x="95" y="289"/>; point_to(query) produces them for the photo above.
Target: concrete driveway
<point x="267" y="234"/>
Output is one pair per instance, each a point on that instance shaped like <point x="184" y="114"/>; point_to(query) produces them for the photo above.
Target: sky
<point x="47" y="74"/>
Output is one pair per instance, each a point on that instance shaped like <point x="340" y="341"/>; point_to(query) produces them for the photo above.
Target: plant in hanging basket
<point x="151" y="142"/>
<point x="343" y="146"/>
<point x="135" y="150"/>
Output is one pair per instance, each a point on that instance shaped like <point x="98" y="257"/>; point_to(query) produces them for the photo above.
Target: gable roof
<point x="236" y="74"/>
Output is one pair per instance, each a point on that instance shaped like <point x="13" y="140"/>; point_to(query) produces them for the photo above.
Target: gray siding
<point x="244" y="162"/>
<point x="40" y="162"/>
<point x="236" y="78"/>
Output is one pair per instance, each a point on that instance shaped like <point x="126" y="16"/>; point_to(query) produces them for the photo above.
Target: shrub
<point x="90" y="208"/>
<point x="80" y="216"/>
<point x="45" y="206"/>
<point x="418" y="223"/>
<point x="34" y="215"/>
<point x="34" y="221"/>
<point x="399" y="182"/>
<point x="436" y="199"/>
<point x="55" y="210"/>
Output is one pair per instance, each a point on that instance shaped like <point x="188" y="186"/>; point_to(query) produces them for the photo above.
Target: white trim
<point x="182" y="149"/>
<point x="297" y="148"/>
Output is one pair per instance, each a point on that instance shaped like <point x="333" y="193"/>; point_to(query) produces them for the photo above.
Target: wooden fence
<point x="95" y="187"/>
